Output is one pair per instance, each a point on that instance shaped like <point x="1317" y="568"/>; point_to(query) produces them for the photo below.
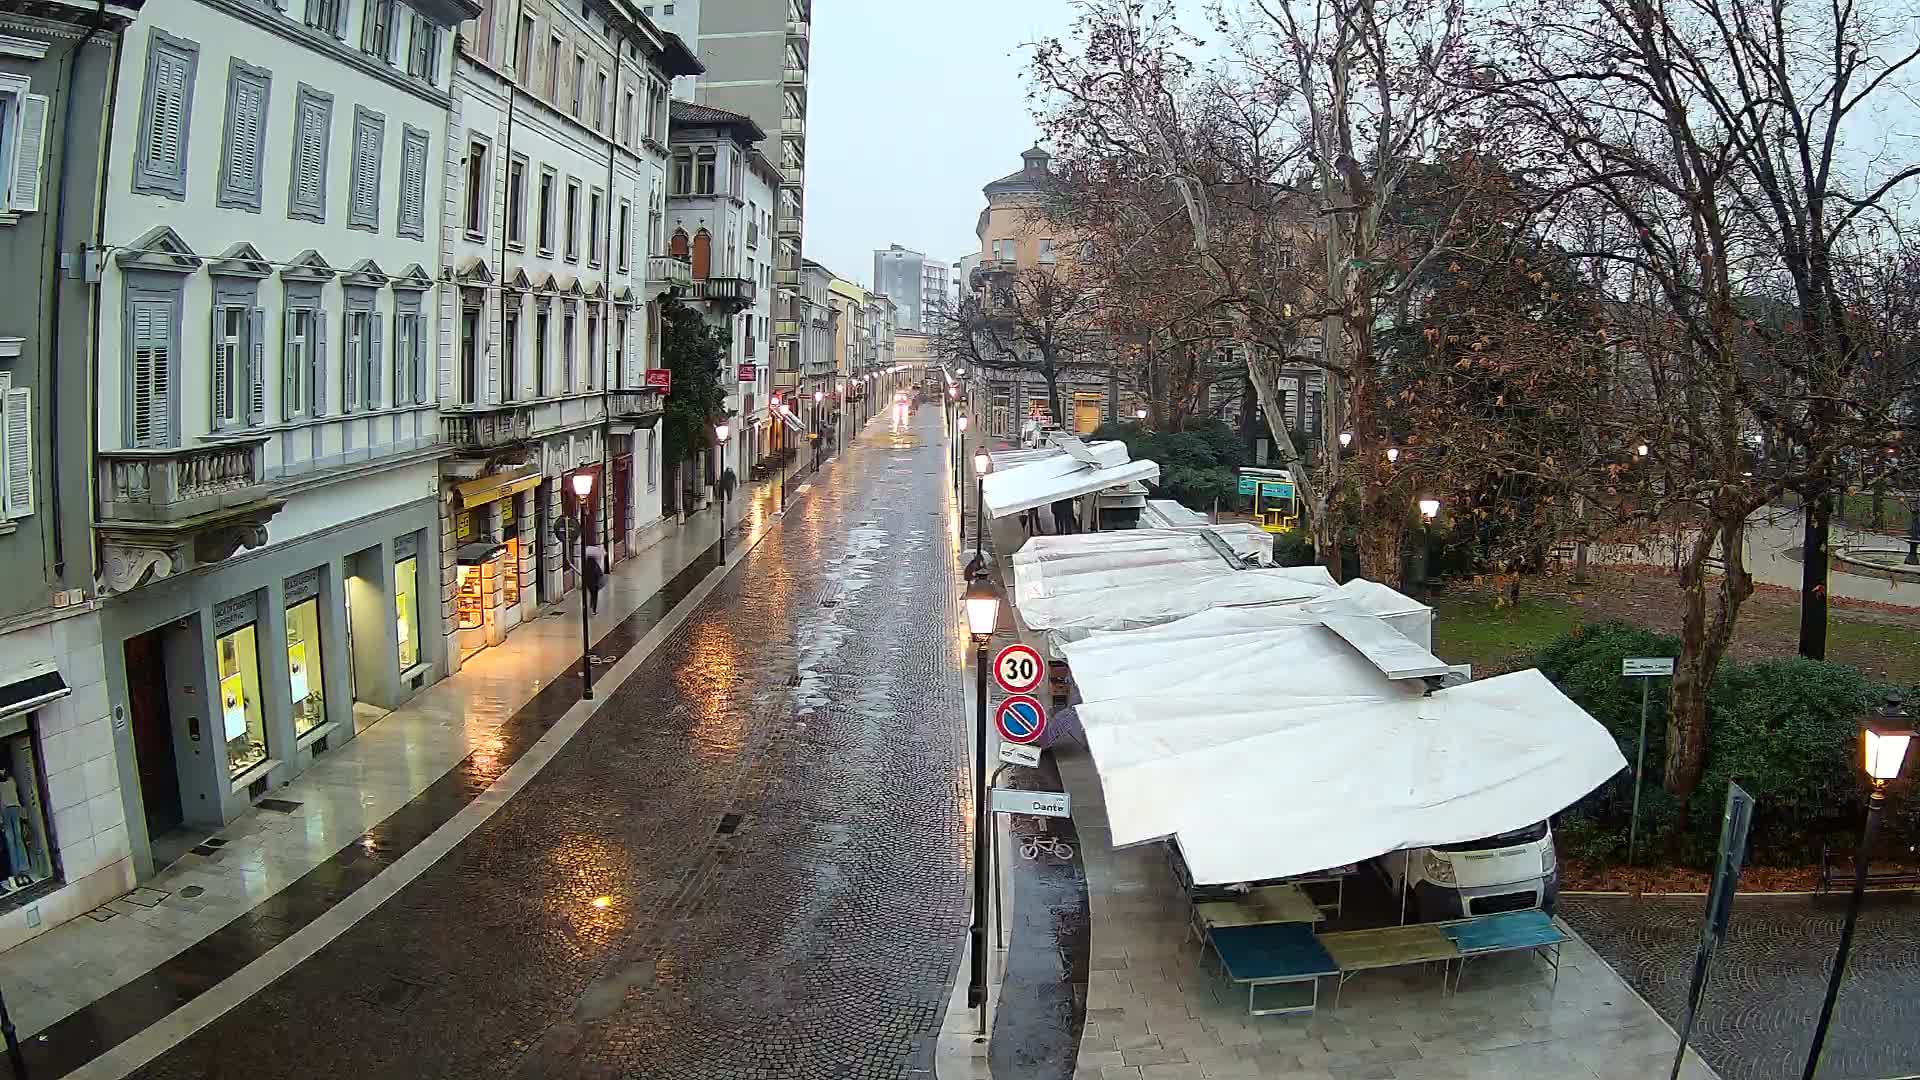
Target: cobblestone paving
<point x="1764" y="991"/>
<point x="750" y="863"/>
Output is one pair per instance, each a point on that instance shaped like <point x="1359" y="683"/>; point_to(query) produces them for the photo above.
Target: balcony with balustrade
<point x="729" y="294"/>
<point x="666" y="274"/>
<point x="167" y="511"/>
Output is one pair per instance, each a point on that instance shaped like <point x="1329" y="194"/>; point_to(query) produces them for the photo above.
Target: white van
<point x="1509" y="872"/>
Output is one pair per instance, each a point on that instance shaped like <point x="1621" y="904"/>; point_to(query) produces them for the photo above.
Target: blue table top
<point x="1271" y="951"/>
<point x="1507" y="930"/>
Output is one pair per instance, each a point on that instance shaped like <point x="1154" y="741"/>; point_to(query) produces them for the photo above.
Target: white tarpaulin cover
<point x="1054" y="478"/>
<point x="1154" y="600"/>
<point x="1268" y="746"/>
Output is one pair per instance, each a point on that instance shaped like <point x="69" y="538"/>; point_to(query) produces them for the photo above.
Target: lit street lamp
<point x="582" y="488"/>
<point x="720" y="432"/>
<point x="1140" y="415"/>
<point x="1429" y="509"/>
<point x="959" y="455"/>
<point x="982" y="465"/>
<point x="1393" y="454"/>
<point x="1643" y="450"/>
<point x="1346" y="439"/>
<point x="1885" y="734"/>
<point x="983" y="615"/>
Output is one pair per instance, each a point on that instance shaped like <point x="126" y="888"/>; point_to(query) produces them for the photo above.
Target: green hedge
<point x="1785" y="730"/>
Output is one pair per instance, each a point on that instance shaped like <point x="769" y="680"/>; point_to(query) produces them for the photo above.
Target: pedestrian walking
<point x="593" y="574"/>
<point x="1030" y="521"/>
<point x="1063" y="521"/>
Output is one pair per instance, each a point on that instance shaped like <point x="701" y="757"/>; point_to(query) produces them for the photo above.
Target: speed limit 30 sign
<point x="1018" y="669"/>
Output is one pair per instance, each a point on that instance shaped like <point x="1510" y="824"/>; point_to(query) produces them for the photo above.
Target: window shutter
<point x="349" y="366"/>
<point x="222" y="392"/>
<point x="289" y="365"/>
<point x="28" y="143"/>
<point x="19" y="429"/>
<point x="249" y="109"/>
<point x="374" y="354"/>
<point x="169" y="115"/>
<point x="413" y="187"/>
<point x="256" y="367"/>
<point x="420" y="360"/>
<point x="152" y="343"/>
<point x="317" y="364"/>
<point x="310" y="157"/>
<point x="366" y="171"/>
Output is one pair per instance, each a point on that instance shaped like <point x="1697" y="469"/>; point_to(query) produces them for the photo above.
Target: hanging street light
<point x="983" y="615"/>
<point x="982" y="465"/>
<point x="720" y="432"/>
<point x="582" y="488"/>
<point x="1885" y="735"/>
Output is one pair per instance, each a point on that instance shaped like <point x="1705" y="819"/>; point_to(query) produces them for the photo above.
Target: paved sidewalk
<point x="346" y="793"/>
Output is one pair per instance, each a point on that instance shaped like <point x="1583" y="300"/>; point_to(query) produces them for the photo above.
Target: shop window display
<point x="25" y="853"/>
<point x="241" y="717"/>
<point x="306" y="686"/>
<point x="406" y="604"/>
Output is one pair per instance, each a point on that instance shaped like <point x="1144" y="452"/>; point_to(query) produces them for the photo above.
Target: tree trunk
<point x="1879" y="504"/>
<point x="1818" y="522"/>
<point x="1703" y="644"/>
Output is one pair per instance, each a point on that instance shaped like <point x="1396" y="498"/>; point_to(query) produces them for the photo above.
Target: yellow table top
<point x="1388" y="946"/>
<point x="1259" y="907"/>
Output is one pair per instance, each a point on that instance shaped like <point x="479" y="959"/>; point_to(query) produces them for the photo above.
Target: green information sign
<point x="1267" y="489"/>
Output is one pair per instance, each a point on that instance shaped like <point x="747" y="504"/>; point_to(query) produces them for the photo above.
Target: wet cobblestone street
<point x="1764" y="990"/>
<point x="751" y="862"/>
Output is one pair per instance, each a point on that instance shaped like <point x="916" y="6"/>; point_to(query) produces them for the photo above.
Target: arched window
<point x="702" y="254"/>
<point x="678" y="246"/>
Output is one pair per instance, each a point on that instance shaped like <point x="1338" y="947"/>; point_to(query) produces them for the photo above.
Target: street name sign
<point x="1020" y="718"/>
<point x="1019" y="669"/>
<point x="1037" y="803"/>
<point x="1642" y="666"/>
<point x="1016" y="754"/>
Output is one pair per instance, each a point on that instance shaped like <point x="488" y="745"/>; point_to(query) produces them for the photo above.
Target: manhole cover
<point x="728" y="823"/>
<point x="278" y="806"/>
<point x="191" y="891"/>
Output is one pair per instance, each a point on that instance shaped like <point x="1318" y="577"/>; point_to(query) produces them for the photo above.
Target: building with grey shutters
<point x="63" y="838"/>
<point x="756" y="55"/>
<point x="271" y="353"/>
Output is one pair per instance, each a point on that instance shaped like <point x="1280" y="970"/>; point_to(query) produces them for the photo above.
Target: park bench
<point x="1356" y="951"/>
<point x="1510" y="931"/>
<point x="1836" y="871"/>
<point x="1279" y="963"/>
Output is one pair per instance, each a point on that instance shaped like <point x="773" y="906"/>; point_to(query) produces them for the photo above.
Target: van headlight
<point x="1548" y="860"/>
<point x="1439" y="870"/>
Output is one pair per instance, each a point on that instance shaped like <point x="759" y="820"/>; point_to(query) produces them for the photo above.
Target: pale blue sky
<point x="915" y="104"/>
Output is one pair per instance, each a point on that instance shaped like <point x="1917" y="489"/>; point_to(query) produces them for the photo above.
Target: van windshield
<point x="1531" y="834"/>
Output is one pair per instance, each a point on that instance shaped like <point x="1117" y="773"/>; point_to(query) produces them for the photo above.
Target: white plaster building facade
<point x="720" y="202"/>
<point x="554" y="206"/>
<point x="268" y="434"/>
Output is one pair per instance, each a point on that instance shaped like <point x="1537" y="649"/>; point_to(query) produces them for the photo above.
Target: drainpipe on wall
<point x="58" y="261"/>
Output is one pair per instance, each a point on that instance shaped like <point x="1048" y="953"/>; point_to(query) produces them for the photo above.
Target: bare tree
<point x="1039" y="320"/>
<point x="1710" y="131"/>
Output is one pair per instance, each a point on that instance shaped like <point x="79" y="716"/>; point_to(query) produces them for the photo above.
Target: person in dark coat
<point x="1063" y="520"/>
<point x="593" y="574"/>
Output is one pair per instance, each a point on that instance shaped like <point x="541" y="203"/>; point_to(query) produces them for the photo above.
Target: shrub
<point x="1784" y="730"/>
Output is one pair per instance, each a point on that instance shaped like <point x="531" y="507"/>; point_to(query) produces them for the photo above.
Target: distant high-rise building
<point x="898" y="272"/>
<point x="756" y="56"/>
<point x="934" y="301"/>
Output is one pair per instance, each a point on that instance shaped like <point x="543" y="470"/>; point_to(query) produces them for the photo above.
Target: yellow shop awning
<point x="497" y="486"/>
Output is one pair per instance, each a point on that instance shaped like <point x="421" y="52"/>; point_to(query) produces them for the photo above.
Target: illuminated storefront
<point x="235" y="679"/>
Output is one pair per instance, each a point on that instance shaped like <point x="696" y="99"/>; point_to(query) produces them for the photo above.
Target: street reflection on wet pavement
<point x="751" y="862"/>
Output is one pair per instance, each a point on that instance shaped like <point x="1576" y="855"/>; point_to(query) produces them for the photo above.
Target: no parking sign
<point x="1020" y="718"/>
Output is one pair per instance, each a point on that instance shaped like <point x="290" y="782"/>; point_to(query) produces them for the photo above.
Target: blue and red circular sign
<point x="1021" y="718"/>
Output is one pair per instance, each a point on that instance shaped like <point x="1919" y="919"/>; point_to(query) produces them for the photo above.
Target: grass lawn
<point x="1882" y="641"/>
<point x="1469" y="629"/>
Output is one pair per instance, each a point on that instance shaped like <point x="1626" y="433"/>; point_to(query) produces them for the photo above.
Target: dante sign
<point x="1038" y="803"/>
<point x="660" y="379"/>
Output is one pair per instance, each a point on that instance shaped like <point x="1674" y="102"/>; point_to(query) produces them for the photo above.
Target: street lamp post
<point x="983" y="615"/>
<point x="1884" y="735"/>
<point x="582" y="488"/>
<point x="720" y="433"/>
<point x="982" y="465"/>
<point x="959" y="455"/>
<point x="1429" y="509"/>
<point x="1913" y="530"/>
<point x="818" y="397"/>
